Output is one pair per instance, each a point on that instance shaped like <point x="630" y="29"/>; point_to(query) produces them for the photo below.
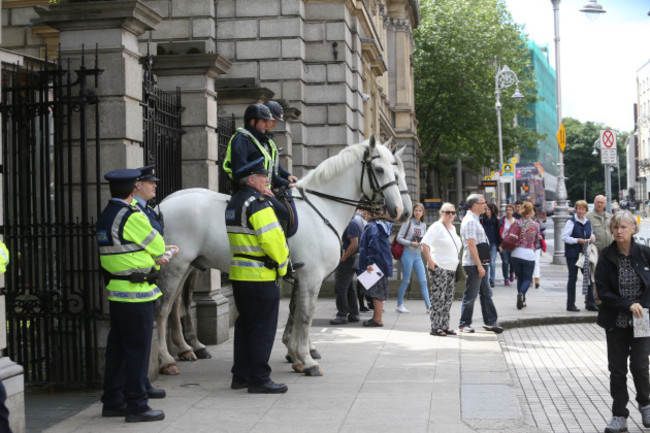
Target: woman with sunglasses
<point x="441" y="246"/>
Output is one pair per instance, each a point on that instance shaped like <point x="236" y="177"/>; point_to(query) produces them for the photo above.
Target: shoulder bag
<point x="512" y="237"/>
<point x="459" y="268"/>
<point x="396" y="249"/>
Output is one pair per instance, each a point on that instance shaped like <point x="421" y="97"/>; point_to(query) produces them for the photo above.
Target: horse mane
<point x="338" y="163"/>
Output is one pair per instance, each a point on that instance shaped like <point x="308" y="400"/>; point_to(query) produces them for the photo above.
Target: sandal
<point x="450" y="332"/>
<point x="438" y="332"/>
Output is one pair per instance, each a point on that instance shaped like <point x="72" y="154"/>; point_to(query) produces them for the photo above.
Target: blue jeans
<point x="524" y="271"/>
<point x="493" y="261"/>
<point x="412" y="261"/>
<point x="571" y="285"/>
<point x="505" y="264"/>
<point x="477" y="286"/>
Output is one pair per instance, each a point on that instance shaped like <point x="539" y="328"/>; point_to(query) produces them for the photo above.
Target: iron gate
<point x="52" y="291"/>
<point x="161" y="118"/>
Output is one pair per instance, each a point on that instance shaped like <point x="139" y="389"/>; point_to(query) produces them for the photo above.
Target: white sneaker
<point x="402" y="309"/>
<point x="618" y="424"/>
<point x="466" y="329"/>
<point x="645" y="415"/>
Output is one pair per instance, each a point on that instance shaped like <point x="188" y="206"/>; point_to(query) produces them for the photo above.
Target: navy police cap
<point x="123" y="176"/>
<point x="148" y="173"/>
<point x="253" y="167"/>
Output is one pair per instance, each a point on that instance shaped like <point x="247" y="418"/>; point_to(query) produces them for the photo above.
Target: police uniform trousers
<point x="255" y="328"/>
<point x="127" y="355"/>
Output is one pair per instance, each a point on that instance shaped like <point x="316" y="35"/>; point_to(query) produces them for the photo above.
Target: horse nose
<point x="396" y="212"/>
<point x="405" y="216"/>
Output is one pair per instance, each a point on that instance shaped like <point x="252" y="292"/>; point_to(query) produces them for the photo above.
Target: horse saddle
<point x="285" y="210"/>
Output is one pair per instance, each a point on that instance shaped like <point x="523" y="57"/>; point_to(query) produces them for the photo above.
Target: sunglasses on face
<point x="449" y="212"/>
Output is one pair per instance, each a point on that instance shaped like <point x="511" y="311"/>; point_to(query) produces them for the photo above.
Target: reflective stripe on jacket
<point x="128" y="244"/>
<point x="4" y="258"/>
<point x="254" y="231"/>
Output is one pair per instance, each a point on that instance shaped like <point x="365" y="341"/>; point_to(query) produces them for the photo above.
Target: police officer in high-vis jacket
<point x="145" y="190"/>
<point x="129" y="249"/>
<point x="260" y="256"/>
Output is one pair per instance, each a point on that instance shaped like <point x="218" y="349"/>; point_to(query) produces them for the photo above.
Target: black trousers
<point x="346" y="295"/>
<point x="621" y="344"/>
<point x="127" y="355"/>
<point x="255" y="327"/>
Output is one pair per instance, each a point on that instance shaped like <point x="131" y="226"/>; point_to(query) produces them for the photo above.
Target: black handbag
<point x="484" y="253"/>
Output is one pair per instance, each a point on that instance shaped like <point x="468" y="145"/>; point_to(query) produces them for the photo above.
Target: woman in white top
<point x="410" y="236"/>
<point x="441" y="246"/>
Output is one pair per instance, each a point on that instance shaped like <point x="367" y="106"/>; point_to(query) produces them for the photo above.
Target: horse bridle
<point x="365" y="203"/>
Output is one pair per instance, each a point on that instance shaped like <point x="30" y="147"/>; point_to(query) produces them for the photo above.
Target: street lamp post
<point x="561" y="214"/>
<point x="503" y="79"/>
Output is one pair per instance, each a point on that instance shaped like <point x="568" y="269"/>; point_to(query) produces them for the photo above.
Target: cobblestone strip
<point x="562" y="378"/>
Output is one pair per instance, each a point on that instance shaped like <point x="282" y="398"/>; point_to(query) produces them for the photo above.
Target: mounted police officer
<point x="260" y="257"/>
<point x="251" y="143"/>
<point x="129" y="249"/>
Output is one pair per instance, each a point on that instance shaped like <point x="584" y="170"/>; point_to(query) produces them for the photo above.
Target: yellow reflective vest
<point x="257" y="242"/>
<point x="270" y="160"/>
<point x="128" y="245"/>
<point x="4" y="258"/>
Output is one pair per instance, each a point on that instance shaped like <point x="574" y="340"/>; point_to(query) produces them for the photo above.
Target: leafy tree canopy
<point x="585" y="175"/>
<point x="456" y="45"/>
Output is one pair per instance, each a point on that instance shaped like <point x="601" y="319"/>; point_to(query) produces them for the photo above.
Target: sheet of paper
<point x="642" y="325"/>
<point x="369" y="279"/>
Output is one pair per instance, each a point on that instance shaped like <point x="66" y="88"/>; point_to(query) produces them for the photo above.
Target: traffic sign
<point x="514" y="160"/>
<point x="508" y="170"/>
<point x="607" y="139"/>
<point x="608" y="156"/>
<point x="561" y="137"/>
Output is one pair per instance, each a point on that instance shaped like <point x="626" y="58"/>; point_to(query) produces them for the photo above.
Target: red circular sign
<point x="608" y="139"/>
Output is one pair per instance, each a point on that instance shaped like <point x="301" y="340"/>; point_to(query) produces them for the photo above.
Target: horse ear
<point x="372" y="142"/>
<point x="389" y="145"/>
<point x="400" y="152"/>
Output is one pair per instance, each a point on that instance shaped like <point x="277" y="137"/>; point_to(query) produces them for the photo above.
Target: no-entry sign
<point x="607" y="139"/>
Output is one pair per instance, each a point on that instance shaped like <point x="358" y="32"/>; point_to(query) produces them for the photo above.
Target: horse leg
<point x="299" y="342"/>
<point x="286" y="336"/>
<point x="167" y="362"/>
<point x="189" y="333"/>
<point x="185" y="352"/>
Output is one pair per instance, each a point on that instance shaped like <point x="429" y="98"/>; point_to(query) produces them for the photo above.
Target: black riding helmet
<point x="276" y="110"/>
<point x="257" y="111"/>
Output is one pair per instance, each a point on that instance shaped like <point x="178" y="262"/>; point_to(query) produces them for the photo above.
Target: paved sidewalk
<point x="396" y="378"/>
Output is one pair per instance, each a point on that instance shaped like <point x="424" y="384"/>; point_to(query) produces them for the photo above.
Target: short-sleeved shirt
<point x="353" y="230"/>
<point x="471" y="228"/>
<point x="444" y="245"/>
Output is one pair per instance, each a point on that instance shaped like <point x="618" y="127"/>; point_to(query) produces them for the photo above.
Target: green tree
<point x="456" y="44"/>
<point x="585" y="175"/>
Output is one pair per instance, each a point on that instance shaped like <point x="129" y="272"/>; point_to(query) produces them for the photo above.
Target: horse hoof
<point x="203" y="354"/>
<point x="297" y="368"/>
<point x="314" y="354"/>
<point x="188" y="355"/>
<point x="169" y="370"/>
<point x="313" y="371"/>
<point x="288" y="358"/>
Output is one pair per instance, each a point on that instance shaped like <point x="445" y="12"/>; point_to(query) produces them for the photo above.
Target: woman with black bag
<point x="623" y="284"/>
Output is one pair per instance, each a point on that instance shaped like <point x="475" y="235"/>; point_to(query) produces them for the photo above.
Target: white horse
<point x="325" y="201"/>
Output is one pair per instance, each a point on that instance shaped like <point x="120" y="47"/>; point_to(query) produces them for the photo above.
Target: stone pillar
<point x="195" y="74"/>
<point x="113" y="28"/>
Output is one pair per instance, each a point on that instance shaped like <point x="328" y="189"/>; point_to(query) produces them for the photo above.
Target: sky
<point x="598" y="59"/>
